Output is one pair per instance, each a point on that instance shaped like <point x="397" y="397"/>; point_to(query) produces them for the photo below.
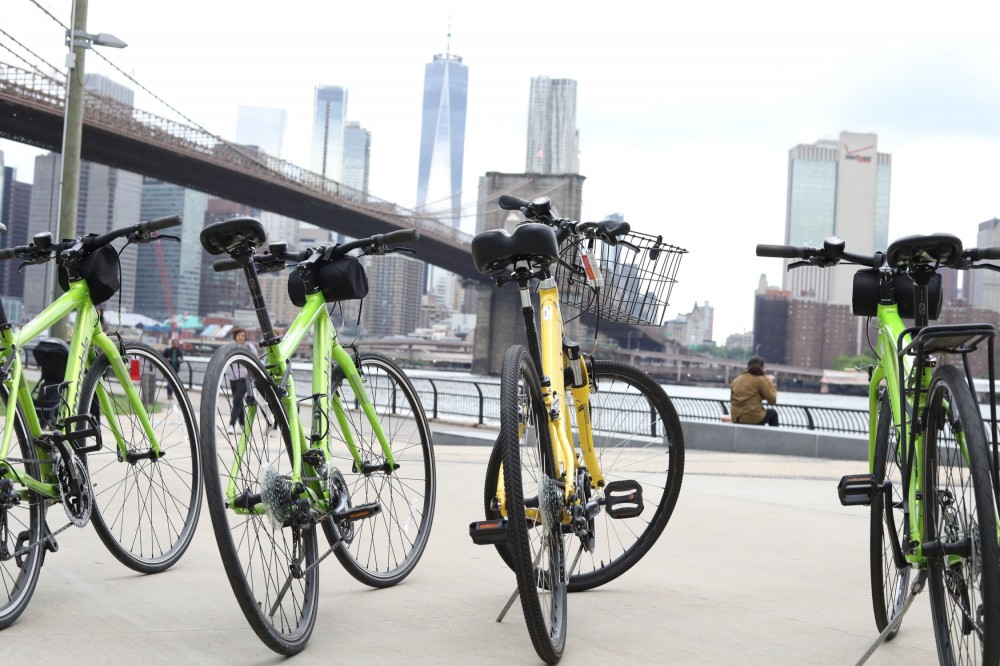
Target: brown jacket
<point x="748" y="391"/>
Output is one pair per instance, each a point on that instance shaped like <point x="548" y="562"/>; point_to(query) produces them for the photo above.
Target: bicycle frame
<point x="545" y="344"/>
<point x="88" y="334"/>
<point x="326" y="349"/>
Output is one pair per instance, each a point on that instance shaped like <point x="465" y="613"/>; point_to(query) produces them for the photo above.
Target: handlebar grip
<point x="401" y="236"/>
<point x="782" y="251"/>
<point x="510" y="202"/>
<point x="223" y="265"/>
<point x="988" y="253"/>
<point x="610" y="230"/>
<point x="161" y="223"/>
<point x="9" y="253"/>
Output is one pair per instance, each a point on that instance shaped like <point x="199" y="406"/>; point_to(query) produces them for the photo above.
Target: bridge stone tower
<point x="498" y="320"/>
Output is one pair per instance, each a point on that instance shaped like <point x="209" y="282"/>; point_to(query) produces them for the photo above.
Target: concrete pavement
<point x="759" y="565"/>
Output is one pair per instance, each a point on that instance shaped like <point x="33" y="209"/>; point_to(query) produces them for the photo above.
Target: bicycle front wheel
<point x="890" y="583"/>
<point x="637" y="439"/>
<point x="22" y="523"/>
<point x="269" y="558"/>
<point x="960" y="528"/>
<point x="383" y="549"/>
<point x="534" y="501"/>
<point x="146" y="501"/>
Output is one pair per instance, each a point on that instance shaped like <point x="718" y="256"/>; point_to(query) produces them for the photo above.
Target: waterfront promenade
<point x="760" y="565"/>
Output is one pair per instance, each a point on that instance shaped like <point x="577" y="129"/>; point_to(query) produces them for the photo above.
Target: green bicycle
<point x="116" y="451"/>
<point x="357" y="462"/>
<point x="931" y="483"/>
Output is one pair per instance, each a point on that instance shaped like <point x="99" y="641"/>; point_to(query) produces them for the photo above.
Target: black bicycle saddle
<point x="225" y="237"/>
<point x="943" y="249"/>
<point x="493" y="250"/>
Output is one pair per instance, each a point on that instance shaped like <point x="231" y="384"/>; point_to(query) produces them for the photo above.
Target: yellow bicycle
<point x="590" y="452"/>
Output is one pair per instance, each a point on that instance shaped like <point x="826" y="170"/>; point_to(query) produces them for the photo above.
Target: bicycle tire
<point x="890" y="584"/>
<point x="384" y="549"/>
<point x="959" y="509"/>
<point x="638" y="437"/>
<point x="260" y="560"/>
<point x="146" y="509"/>
<point x="23" y="524"/>
<point x="537" y="549"/>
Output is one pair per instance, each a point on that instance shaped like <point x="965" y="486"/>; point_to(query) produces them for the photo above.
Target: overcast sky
<point x="686" y="111"/>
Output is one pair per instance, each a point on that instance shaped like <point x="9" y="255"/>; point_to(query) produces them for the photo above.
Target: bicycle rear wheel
<point x="22" y="523"/>
<point x="146" y="507"/>
<point x="534" y="505"/>
<point x="890" y="584"/>
<point x="383" y="549"/>
<point x="637" y="438"/>
<point x="960" y="525"/>
<point x="268" y="558"/>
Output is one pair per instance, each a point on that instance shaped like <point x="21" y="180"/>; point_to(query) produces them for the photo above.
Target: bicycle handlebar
<point x="539" y="210"/>
<point x="141" y="231"/>
<point x="833" y="253"/>
<point x="376" y="244"/>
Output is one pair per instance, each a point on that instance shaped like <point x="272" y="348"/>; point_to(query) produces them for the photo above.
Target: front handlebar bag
<point x="102" y="271"/>
<point x="343" y="279"/>
<point x="864" y="300"/>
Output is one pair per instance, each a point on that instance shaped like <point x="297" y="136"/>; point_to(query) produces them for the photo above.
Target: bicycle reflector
<point x="133" y="370"/>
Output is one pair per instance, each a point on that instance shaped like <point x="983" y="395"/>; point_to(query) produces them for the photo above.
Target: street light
<point x="78" y="40"/>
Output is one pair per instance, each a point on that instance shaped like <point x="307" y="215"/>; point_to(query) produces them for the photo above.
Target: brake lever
<point x="799" y="264"/>
<point x="989" y="267"/>
<point x="400" y="249"/>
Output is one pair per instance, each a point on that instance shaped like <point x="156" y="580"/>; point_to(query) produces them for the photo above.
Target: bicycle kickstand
<point x="510" y="602"/>
<point x="915" y="589"/>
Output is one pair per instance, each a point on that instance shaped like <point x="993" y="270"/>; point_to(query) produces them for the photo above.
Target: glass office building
<point x="328" y="131"/>
<point x="442" y="138"/>
<point x="836" y="188"/>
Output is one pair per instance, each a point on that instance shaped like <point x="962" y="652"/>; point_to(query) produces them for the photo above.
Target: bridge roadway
<point x="117" y="135"/>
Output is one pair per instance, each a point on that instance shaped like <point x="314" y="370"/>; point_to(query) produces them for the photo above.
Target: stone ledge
<point x="732" y="438"/>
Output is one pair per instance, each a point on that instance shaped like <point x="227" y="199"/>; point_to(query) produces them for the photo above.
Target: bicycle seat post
<point x="245" y="259"/>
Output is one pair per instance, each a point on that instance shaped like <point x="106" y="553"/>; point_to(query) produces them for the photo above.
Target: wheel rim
<point x="147" y="505"/>
<point x="388" y="544"/>
<point x="276" y="600"/>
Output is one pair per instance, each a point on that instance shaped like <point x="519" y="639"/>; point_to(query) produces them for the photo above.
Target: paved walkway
<point x="760" y="565"/>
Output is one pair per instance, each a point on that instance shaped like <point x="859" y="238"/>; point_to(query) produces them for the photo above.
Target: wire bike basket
<point x="637" y="280"/>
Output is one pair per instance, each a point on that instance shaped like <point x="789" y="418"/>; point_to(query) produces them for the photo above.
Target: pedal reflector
<point x="623" y="499"/>
<point x="487" y="532"/>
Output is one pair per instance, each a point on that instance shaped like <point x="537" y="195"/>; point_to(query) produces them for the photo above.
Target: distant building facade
<point x="984" y="286"/>
<point x="168" y="279"/>
<point x="357" y="155"/>
<point x="553" y="138"/>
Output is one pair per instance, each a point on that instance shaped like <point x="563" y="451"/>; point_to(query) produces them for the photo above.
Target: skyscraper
<point x="328" y="131"/>
<point x="442" y="138"/>
<point x="261" y="127"/>
<point x="357" y="154"/>
<point x="168" y="279"/>
<point x="553" y="140"/>
<point x="836" y="188"/>
<point x="108" y="199"/>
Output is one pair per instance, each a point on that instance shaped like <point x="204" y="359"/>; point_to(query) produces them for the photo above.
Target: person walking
<point x="749" y="390"/>
<point x="174" y="358"/>
<point x="239" y="381"/>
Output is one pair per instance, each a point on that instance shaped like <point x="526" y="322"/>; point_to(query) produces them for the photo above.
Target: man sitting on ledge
<point x="748" y="390"/>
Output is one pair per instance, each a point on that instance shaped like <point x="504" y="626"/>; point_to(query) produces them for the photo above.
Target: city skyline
<point x="685" y="129"/>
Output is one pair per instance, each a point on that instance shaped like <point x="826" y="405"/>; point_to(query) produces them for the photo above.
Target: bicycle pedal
<point x="89" y="429"/>
<point x="623" y="499"/>
<point x="359" y="512"/>
<point x="857" y="489"/>
<point x="488" y="532"/>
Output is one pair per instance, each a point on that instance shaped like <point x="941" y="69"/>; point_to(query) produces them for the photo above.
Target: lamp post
<point x="78" y="40"/>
